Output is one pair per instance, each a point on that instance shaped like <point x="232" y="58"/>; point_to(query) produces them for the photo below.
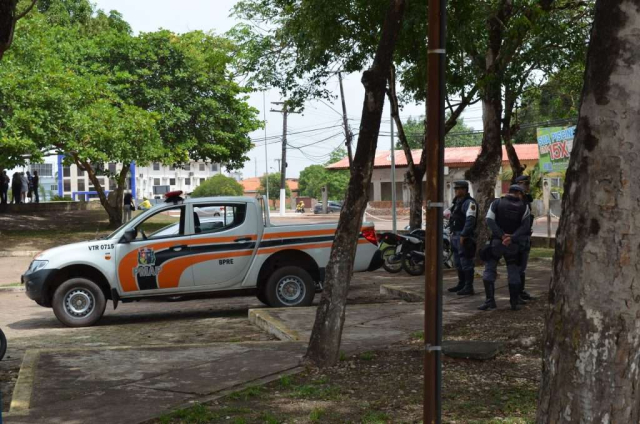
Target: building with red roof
<point x="457" y="161"/>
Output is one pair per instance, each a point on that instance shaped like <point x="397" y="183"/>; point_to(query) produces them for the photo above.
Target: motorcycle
<point x="3" y="345"/>
<point x="410" y="254"/>
<point x="300" y="208"/>
<point x="390" y="244"/>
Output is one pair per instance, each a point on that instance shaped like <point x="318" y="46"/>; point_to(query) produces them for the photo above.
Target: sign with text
<point x="555" y="144"/>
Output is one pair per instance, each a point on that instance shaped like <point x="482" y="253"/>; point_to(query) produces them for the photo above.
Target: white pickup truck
<point x="188" y="248"/>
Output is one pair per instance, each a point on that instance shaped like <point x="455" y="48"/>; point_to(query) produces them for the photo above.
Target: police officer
<point x="525" y="248"/>
<point x="508" y="220"/>
<point x="463" y="226"/>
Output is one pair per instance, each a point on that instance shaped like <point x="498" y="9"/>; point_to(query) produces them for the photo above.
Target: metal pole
<point x="434" y="145"/>
<point x="347" y="130"/>
<point x="266" y="159"/>
<point x="283" y="165"/>
<point x="393" y="181"/>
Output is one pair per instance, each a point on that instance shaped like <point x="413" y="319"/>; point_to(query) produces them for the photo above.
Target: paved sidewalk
<point x="130" y="385"/>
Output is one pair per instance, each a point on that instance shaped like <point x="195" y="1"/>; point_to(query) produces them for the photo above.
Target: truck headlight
<point x="37" y="265"/>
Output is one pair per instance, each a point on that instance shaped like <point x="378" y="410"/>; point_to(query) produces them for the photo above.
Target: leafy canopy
<point x="219" y="185"/>
<point x="314" y="177"/>
<point x="274" y="186"/>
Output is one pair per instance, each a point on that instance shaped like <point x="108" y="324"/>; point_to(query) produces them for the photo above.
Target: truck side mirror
<point x="130" y="235"/>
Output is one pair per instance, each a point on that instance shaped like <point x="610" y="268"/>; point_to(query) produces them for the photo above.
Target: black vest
<point x="509" y="213"/>
<point x="458" y="217"/>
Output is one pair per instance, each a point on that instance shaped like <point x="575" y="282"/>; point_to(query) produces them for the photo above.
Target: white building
<point x="186" y="178"/>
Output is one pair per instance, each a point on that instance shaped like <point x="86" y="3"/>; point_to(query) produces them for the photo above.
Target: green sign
<point x="554" y="145"/>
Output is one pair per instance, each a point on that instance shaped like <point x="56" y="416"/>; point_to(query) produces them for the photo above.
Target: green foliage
<point x="315" y="392"/>
<point x="248" y="393"/>
<point x="285" y="381"/>
<point x="314" y="177"/>
<point x="269" y="418"/>
<point x="219" y="185"/>
<point x="78" y="82"/>
<point x="366" y="356"/>
<point x="336" y="156"/>
<point x="196" y="414"/>
<point x="461" y="135"/>
<point x="274" y="186"/>
<point x="56" y="198"/>
<point x="375" y="417"/>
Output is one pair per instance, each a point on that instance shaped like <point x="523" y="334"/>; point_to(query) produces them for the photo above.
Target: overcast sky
<point x="213" y="15"/>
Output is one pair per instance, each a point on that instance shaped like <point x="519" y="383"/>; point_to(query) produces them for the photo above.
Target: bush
<point x="219" y="185"/>
<point x="57" y="198"/>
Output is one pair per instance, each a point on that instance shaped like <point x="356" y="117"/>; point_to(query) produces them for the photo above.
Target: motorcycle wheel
<point x="412" y="266"/>
<point x="392" y="267"/>
<point x="3" y="345"/>
<point x="447" y="254"/>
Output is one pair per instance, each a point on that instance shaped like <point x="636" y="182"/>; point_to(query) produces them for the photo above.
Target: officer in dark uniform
<point x="525" y="248"/>
<point x="463" y="226"/>
<point x="508" y="220"/>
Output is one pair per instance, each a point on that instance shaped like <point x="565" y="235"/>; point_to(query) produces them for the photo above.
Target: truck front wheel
<point x="290" y="286"/>
<point x="78" y="302"/>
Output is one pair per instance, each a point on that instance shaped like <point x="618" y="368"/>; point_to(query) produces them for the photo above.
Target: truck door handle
<point x="242" y="239"/>
<point x="177" y="248"/>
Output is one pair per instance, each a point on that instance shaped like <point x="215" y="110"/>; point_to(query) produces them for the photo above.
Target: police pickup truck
<point x="191" y="247"/>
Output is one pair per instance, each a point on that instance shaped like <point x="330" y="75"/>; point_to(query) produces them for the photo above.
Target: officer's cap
<point x="523" y="178"/>
<point x="461" y="184"/>
<point x="516" y="187"/>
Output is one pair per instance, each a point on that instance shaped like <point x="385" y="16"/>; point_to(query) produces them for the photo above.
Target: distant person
<point x="35" y="182"/>
<point x="16" y="188"/>
<point x="4" y="187"/>
<point x="24" y="188"/>
<point x="29" y="187"/>
<point x="129" y="205"/>
<point x="145" y="205"/>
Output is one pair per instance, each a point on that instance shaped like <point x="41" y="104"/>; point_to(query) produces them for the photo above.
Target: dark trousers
<point x="3" y="195"/>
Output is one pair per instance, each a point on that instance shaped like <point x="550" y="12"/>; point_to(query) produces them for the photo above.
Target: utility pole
<point x="283" y="165"/>
<point x="393" y="181"/>
<point x="266" y="159"/>
<point x="347" y="131"/>
<point x="434" y="147"/>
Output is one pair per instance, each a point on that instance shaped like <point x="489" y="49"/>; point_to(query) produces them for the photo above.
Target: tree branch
<point x="27" y="10"/>
<point x="395" y="114"/>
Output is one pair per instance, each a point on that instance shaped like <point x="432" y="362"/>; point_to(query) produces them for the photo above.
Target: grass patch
<point x="418" y="335"/>
<point x="316" y="414"/>
<point x="541" y="252"/>
<point x="12" y="285"/>
<point x="315" y="392"/>
<point x="375" y="417"/>
<point x="343" y="356"/>
<point x="197" y="414"/>
<point x="366" y="356"/>
<point x="269" y="418"/>
<point x="285" y="381"/>
<point x="248" y="393"/>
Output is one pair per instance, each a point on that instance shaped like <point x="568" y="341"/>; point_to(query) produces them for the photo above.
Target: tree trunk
<point x="324" y="346"/>
<point x="416" y="194"/>
<point x="514" y="162"/>
<point x="7" y="24"/>
<point x="591" y="360"/>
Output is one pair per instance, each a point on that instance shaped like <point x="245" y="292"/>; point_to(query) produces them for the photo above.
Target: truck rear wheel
<point x="290" y="286"/>
<point x="78" y="302"/>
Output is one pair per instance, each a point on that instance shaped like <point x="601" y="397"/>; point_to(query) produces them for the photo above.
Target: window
<point x="156" y="166"/>
<point x="81" y="185"/>
<point x="54" y="188"/>
<point x="201" y="166"/>
<point x="187" y="181"/>
<point x="172" y="181"/>
<point x="202" y="180"/>
<point x="156" y="181"/>
<point x="67" y="185"/>
<point x="112" y="184"/>
<point x="164" y="224"/>
<point x="214" y="218"/>
<point x="112" y="168"/>
<point x="172" y="167"/>
<point x="43" y="169"/>
<point x="66" y="171"/>
<point x="214" y="167"/>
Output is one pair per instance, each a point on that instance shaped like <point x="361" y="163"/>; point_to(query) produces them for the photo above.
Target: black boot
<point x="514" y="295"/>
<point x="523" y="294"/>
<point x="468" y="284"/>
<point x="460" y="283"/>
<point x="490" y="303"/>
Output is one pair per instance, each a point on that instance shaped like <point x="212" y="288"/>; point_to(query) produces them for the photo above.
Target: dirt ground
<point x="386" y="386"/>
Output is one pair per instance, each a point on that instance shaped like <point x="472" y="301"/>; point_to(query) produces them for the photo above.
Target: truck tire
<point x="78" y="302"/>
<point x="3" y="345"/>
<point x="262" y="297"/>
<point x="290" y="286"/>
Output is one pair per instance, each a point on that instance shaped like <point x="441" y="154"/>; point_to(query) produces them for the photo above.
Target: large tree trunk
<point x="417" y="198"/>
<point x="8" y="18"/>
<point x="324" y="346"/>
<point x="591" y="361"/>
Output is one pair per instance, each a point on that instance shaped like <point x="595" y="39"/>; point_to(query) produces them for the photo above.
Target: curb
<point x="21" y="399"/>
<point x="263" y="320"/>
<point x="18" y="253"/>
<point x="12" y="289"/>
<point x="401" y="293"/>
